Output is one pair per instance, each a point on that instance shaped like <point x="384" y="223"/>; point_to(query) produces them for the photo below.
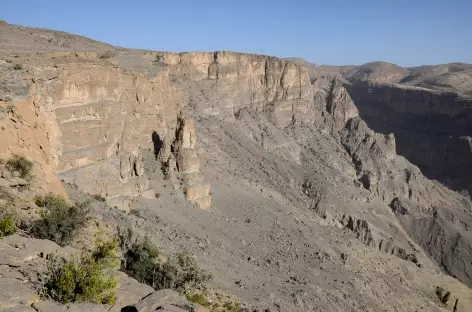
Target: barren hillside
<point x="267" y="176"/>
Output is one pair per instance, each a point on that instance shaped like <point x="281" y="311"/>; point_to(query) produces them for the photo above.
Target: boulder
<point x="164" y="300"/>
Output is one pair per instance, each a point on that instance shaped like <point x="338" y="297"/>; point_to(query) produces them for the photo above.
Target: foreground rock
<point x="164" y="300"/>
<point x="23" y="263"/>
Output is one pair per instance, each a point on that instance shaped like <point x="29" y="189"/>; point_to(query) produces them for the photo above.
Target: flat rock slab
<point x="16" y="293"/>
<point x="129" y="292"/>
<point x="24" y="308"/>
<point x="165" y="300"/>
<point x="51" y="306"/>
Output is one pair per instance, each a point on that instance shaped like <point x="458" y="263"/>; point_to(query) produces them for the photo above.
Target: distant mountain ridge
<point x="452" y="77"/>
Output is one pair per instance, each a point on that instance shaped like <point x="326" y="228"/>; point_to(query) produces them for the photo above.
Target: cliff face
<point x="433" y="130"/>
<point x="24" y="131"/>
<point x="104" y="120"/>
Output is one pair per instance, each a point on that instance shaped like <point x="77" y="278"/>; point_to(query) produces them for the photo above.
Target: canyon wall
<point x="434" y="216"/>
<point x="113" y="125"/>
<point x="106" y="122"/>
<point x="433" y="130"/>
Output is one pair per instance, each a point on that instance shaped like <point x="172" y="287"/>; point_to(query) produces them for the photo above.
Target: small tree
<point x="60" y="221"/>
<point x="198" y="298"/>
<point x="7" y="225"/>
<point x="140" y="261"/>
<point x="181" y="272"/>
<point x="20" y="164"/>
<point x="8" y="218"/>
<point x="88" y="277"/>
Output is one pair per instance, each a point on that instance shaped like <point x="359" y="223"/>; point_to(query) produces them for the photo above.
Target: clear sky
<point x="406" y="32"/>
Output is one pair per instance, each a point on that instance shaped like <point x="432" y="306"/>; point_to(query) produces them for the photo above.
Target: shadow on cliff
<point x="438" y="143"/>
<point x="157" y="143"/>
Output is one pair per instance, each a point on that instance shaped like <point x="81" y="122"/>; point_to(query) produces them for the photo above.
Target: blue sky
<point x="325" y="32"/>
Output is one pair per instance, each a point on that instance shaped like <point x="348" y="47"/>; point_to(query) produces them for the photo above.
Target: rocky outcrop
<point x="164" y="300"/>
<point x="449" y="300"/>
<point x="188" y="164"/>
<point x="416" y="200"/>
<point x="24" y="132"/>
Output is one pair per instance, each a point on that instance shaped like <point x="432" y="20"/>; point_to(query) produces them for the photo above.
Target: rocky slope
<point x="310" y="209"/>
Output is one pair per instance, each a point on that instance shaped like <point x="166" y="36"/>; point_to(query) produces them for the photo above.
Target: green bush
<point x="7" y="225"/>
<point x="140" y="261"/>
<point x="88" y="277"/>
<point x="198" y="298"/>
<point x="60" y="221"/>
<point x="231" y="306"/>
<point x="20" y="164"/>
<point x="182" y="273"/>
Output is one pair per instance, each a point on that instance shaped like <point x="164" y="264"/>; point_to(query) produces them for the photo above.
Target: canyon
<point x="285" y="185"/>
<point x="427" y="108"/>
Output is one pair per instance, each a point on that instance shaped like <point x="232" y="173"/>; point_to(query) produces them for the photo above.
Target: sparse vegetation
<point x="7" y="225"/>
<point x="181" y="272"/>
<point x="17" y="67"/>
<point x="135" y="212"/>
<point x="231" y="306"/>
<point x="99" y="197"/>
<point x="108" y="54"/>
<point x="11" y="109"/>
<point x="140" y="260"/>
<point x="60" y="221"/>
<point x="88" y="277"/>
<point x="215" y="304"/>
<point x="20" y="164"/>
<point x="198" y="298"/>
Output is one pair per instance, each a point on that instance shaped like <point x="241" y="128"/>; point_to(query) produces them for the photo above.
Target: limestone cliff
<point x="103" y="120"/>
<point x="25" y="132"/>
